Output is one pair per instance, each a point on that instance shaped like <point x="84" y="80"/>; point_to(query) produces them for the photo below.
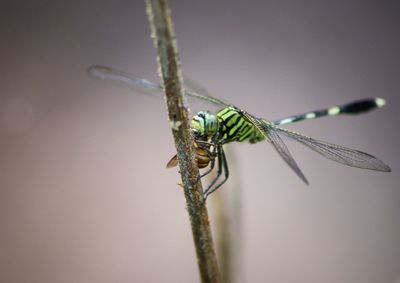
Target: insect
<point x="232" y="124"/>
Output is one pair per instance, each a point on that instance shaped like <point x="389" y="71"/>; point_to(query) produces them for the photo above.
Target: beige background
<point x="84" y="193"/>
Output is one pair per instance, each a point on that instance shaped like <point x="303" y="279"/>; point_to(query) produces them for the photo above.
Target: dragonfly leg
<point x="224" y="166"/>
<point x="219" y="173"/>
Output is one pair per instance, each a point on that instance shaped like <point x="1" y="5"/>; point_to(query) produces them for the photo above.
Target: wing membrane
<point x="338" y="153"/>
<point x="284" y="152"/>
<point x="139" y="85"/>
<point x="273" y="136"/>
<point x="105" y="73"/>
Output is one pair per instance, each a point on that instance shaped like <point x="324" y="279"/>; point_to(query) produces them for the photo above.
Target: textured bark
<point x="169" y="70"/>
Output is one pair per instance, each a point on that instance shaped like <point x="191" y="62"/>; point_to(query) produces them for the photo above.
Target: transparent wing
<point x="199" y="92"/>
<point x="338" y="153"/>
<point x="108" y="74"/>
<point x="194" y="86"/>
<point x="284" y="152"/>
<point x="139" y="85"/>
<point x="272" y="135"/>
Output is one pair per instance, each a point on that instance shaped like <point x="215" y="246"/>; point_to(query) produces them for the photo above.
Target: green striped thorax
<point x="230" y="125"/>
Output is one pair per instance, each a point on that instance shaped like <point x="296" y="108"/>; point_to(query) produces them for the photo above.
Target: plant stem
<point x="169" y="70"/>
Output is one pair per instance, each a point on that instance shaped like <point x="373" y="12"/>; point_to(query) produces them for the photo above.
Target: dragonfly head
<point x="204" y="125"/>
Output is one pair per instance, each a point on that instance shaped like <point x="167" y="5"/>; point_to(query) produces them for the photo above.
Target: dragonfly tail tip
<point x="380" y="101"/>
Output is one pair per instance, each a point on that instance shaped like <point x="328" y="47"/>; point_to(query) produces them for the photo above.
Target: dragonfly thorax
<point x="204" y="125"/>
<point x="235" y="127"/>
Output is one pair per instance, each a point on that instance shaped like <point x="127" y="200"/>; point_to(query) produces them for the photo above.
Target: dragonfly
<point x="212" y="131"/>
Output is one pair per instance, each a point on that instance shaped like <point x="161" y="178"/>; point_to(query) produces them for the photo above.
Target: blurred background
<point x="84" y="193"/>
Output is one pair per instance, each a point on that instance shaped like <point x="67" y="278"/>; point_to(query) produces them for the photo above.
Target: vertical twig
<point x="170" y="73"/>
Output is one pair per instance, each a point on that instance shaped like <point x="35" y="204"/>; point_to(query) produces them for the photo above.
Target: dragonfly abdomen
<point x="352" y="108"/>
<point x="236" y="128"/>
